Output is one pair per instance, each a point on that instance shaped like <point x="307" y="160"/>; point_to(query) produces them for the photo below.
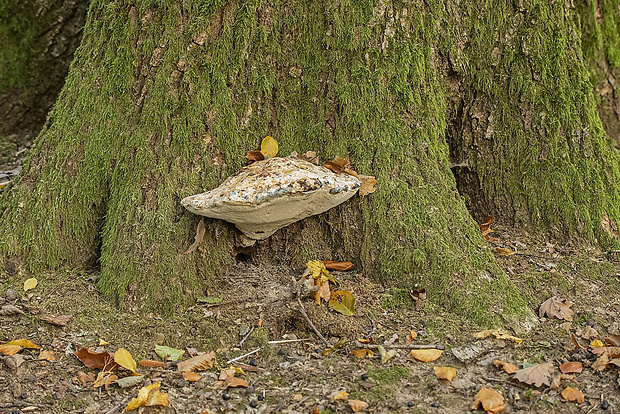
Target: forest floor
<point x="256" y="305"/>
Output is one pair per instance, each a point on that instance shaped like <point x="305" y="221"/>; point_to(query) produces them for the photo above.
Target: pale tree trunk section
<point x="38" y="40"/>
<point x="163" y="101"/>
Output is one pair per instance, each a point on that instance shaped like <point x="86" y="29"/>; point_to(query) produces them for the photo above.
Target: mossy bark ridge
<point x="164" y="99"/>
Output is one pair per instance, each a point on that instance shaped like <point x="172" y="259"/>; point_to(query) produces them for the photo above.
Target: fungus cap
<point x="273" y="193"/>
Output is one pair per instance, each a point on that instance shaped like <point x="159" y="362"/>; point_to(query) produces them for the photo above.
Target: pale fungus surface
<point x="273" y="193"/>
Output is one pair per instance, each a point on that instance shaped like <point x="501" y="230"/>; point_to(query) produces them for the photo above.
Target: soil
<point x="296" y="377"/>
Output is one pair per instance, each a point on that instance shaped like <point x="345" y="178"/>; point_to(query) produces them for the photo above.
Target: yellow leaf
<point x="426" y="355"/>
<point x="573" y="394"/>
<point x="503" y="251"/>
<point x="269" y="147"/>
<point x="9" y="349"/>
<point x="596" y="343"/>
<point x="123" y="358"/>
<point x="445" y="373"/>
<point x="148" y="397"/>
<point x="357" y="405"/>
<point x="341" y="395"/>
<point x="412" y="336"/>
<point x="30" y="284"/>
<point x="362" y="353"/>
<point x="103" y="343"/>
<point x="24" y="343"/>
<point x="343" y="302"/>
<point x="491" y="401"/>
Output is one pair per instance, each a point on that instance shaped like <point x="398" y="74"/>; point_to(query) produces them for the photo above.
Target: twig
<point x="286" y="341"/>
<point x="117" y="406"/>
<point x="374" y="328"/>
<point x="240" y="344"/>
<point x="243" y="356"/>
<point x="397" y="346"/>
<point x="316" y="331"/>
<point x="516" y="384"/>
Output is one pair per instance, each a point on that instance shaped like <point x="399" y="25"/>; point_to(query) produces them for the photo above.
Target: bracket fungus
<point x="273" y="193"/>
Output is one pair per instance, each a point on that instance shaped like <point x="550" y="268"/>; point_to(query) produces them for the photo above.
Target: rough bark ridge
<point x="38" y="40"/>
<point x="163" y="100"/>
<point x="525" y="123"/>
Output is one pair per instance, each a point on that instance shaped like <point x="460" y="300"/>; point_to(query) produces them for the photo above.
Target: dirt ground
<point x="296" y="377"/>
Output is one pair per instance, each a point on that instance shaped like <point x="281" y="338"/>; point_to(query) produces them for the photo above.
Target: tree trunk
<point x="164" y="101"/>
<point x="38" y="40"/>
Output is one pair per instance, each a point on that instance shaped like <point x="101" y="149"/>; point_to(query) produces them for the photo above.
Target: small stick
<point x="245" y="337"/>
<point x="117" y="406"/>
<point x="316" y="331"/>
<point x="397" y="346"/>
<point x="243" y="356"/>
<point x="286" y="341"/>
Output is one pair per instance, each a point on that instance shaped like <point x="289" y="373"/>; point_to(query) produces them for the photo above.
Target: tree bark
<point x="38" y="40"/>
<point x="164" y="101"/>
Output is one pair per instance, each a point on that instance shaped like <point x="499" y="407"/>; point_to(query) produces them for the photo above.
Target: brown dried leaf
<point x="198" y="238"/>
<point x="496" y="333"/>
<point x="487" y="224"/>
<point x="96" y="360"/>
<point x="235" y="382"/>
<point x="504" y="251"/>
<point x="601" y="363"/>
<point x="61" y="320"/>
<point x="337" y="266"/>
<point x="426" y="355"/>
<point x="506" y="366"/>
<point x="312" y="157"/>
<point x="149" y="363"/>
<point x="490" y="400"/>
<point x="357" y="405"/>
<point x="254" y="155"/>
<point x="7" y="349"/>
<point x="570" y="367"/>
<point x="8" y="310"/>
<point x="445" y="373"/>
<point x="191" y="376"/>
<point x="368" y="185"/>
<point x="615" y="361"/>
<point x="573" y="394"/>
<point x="412" y="336"/>
<point x="536" y="374"/>
<point x="611" y="351"/>
<point x="589" y="333"/>
<point x="198" y="363"/>
<point x="337" y="165"/>
<point x="47" y="356"/>
<point x="613" y="340"/>
<point x="84" y="378"/>
<point x="364" y="340"/>
<point x="556" y="307"/>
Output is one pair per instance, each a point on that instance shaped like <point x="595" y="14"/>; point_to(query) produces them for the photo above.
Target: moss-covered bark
<point x="165" y="98"/>
<point x="527" y="123"/>
<point x="38" y="39"/>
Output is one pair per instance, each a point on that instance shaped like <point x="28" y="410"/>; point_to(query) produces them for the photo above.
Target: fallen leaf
<point x="487" y="224"/>
<point x="426" y="355"/>
<point x="570" y="367"/>
<point x="556" y="307"/>
<point x="412" y="336"/>
<point x="343" y="302"/>
<point x="168" y="354"/>
<point x="364" y="340"/>
<point x="597" y="343"/>
<point x="47" y="356"/>
<point x="198" y="238"/>
<point x="341" y="395"/>
<point x="8" y="310"/>
<point x="321" y="278"/>
<point x="506" y="366"/>
<point x="103" y="342"/>
<point x="357" y="405"/>
<point x="61" y="320"/>
<point x="84" y="378"/>
<point x="149" y="363"/>
<point x="613" y="340"/>
<point x="497" y="334"/>
<point x="24" y="343"/>
<point x="104" y="379"/>
<point x="573" y="394"/>
<point x="198" y="363"/>
<point x="601" y="363"/>
<point x="418" y="294"/>
<point x="386" y="355"/>
<point x="311" y="156"/>
<point x="337" y="266"/>
<point x="337" y="165"/>
<point x="269" y="147"/>
<point x="589" y="333"/>
<point x="445" y="373"/>
<point x="96" y="360"/>
<point x="490" y="400"/>
<point x="123" y="358"/>
<point x="148" y="397"/>
<point x="611" y="351"/>
<point x="615" y="361"/>
<point x="129" y="381"/>
<point x="337" y="345"/>
<point x="191" y="376"/>
<point x="536" y="374"/>
<point x="254" y="155"/>
<point x="368" y="185"/>
<point x="9" y="349"/>
<point x="30" y="284"/>
<point x="504" y="251"/>
<point x="237" y="382"/>
<point x="362" y="353"/>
